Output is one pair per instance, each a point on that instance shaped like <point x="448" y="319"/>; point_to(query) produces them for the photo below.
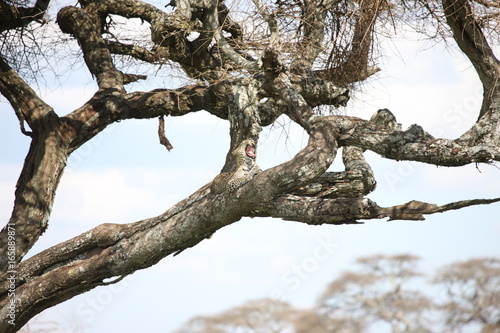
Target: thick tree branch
<point x="177" y="102"/>
<point x="86" y="28"/>
<point x="317" y="211"/>
<point x="413" y="144"/>
<point x="12" y="17"/>
<point x="107" y="251"/>
<point x="133" y="9"/>
<point x="35" y="189"/>
<point x="28" y="106"/>
<point x="104" y="109"/>
<point x="43" y="166"/>
<point x="471" y="40"/>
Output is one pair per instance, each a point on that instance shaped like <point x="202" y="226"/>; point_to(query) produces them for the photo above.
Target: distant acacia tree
<point x="248" y="64"/>
<point x="378" y="293"/>
<point x="259" y="316"/>
<point x="309" y="321"/>
<point x="376" y="296"/>
<point x="471" y="294"/>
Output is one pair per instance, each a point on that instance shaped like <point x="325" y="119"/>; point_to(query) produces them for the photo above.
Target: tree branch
<point x="470" y="38"/>
<point x="12" y="17"/>
<point x="27" y="105"/>
<point x="225" y="47"/>
<point x="271" y="23"/>
<point x="43" y="166"/>
<point x="132" y="9"/>
<point x="86" y="27"/>
<point x="311" y="43"/>
<point x="352" y="65"/>
<point x="316" y="211"/>
<point x="414" y="144"/>
<point x="157" y="56"/>
<point x="35" y="188"/>
<point x="110" y="250"/>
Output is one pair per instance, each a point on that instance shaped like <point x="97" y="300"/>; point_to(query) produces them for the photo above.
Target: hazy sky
<point x="124" y="175"/>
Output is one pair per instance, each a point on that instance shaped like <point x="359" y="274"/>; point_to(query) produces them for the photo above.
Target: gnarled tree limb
<point x="317" y="211"/>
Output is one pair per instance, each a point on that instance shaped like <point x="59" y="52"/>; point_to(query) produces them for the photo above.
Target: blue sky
<point x="124" y="175"/>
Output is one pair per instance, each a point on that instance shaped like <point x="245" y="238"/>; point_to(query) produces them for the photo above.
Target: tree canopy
<point x="246" y="63"/>
<point x="379" y="295"/>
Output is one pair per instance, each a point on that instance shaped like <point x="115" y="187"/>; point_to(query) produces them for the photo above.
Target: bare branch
<point x="271" y="22"/>
<point x="86" y="29"/>
<point x="351" y="64"/>
<point x="414" y="144"/>
<point x="27" y="104"/>
<point x="226" y="48"/>
<point x="472" y="42"/>
<point x="315" y="211"/>
<point x="12" y="17"/>
<point x="158" y="55"/>
<point x="311" y="43"/>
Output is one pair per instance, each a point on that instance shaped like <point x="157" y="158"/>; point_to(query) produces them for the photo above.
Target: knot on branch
<point x="271" y="64"/>
<point x="70" y="17"/>
<point x="385" y="118"/>
<point x="107" y="234"/>
<point x="322" y="92"/>
<point x="416" y="132"/>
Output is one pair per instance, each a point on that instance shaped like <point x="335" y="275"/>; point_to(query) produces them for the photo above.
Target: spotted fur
<point x="245" y="169"/>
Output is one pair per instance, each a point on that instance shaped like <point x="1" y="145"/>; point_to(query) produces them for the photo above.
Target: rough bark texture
<point x="247" y="81"/>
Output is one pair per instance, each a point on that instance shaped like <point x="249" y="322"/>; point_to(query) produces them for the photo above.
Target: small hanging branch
<point x="161" y="134"/>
